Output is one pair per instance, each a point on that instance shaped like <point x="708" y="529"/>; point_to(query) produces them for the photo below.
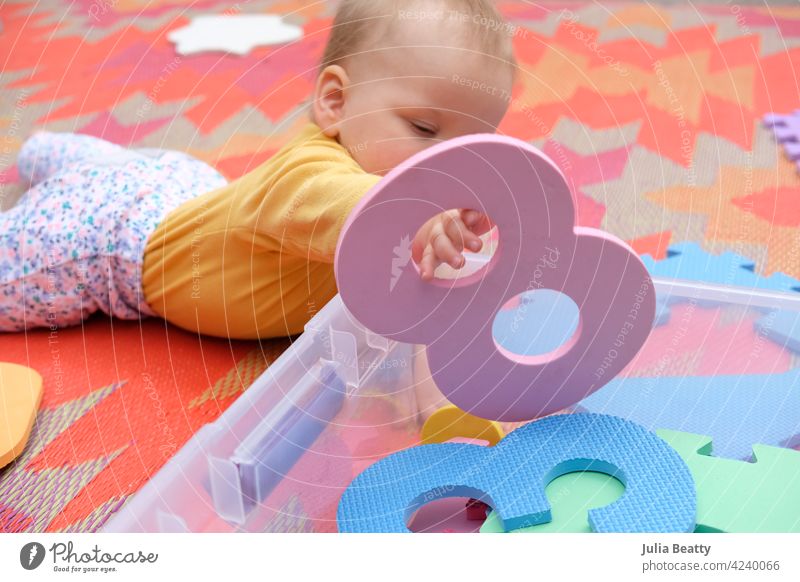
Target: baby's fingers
<point x="460" y="235"/>
<point x="477" y="222"/>
<point x="428" y="263"/>
<point x="444" y="248"/>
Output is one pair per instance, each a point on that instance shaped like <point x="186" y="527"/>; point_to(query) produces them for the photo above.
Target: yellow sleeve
<point x="309" y="197"/>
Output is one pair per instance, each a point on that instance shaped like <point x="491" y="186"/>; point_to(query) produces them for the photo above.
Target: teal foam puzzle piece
<point x="511" y="477"/>
<point x="738" y="411"/>
<point x="741" y="497"/>
<point x="732" y="496"/>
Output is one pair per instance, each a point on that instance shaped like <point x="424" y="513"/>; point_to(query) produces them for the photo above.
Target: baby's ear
<point x="328" y="106"/>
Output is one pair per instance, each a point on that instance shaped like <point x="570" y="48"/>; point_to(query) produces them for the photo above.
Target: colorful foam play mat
<point x="658" y="116"/>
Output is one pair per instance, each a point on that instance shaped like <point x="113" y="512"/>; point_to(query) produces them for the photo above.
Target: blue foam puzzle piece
<point x="511" y="477"/>
<point x="690" y="262"/>
<point x="782" y="327"/>
<point x="693" y="251"/>
<point x="736" y="411"/>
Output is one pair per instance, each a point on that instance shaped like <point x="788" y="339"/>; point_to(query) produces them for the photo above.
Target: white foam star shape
<point x="237" y="34"/>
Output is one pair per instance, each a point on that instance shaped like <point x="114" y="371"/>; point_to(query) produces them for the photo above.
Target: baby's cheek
<point x="381" y="155"/>
<point x="372" y="159"/>
<point x="396" y="151"/>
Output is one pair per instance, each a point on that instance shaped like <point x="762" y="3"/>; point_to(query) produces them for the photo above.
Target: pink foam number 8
<point x="540" y="247"/>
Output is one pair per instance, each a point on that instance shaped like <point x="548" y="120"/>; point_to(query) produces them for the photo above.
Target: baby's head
<point x="400" y="76"/>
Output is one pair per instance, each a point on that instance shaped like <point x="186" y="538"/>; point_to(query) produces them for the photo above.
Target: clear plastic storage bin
<point x="341" y="398"/>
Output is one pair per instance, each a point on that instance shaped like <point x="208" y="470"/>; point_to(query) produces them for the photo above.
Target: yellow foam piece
<point x="20" y="395"/>
<point x="451" y="422"/>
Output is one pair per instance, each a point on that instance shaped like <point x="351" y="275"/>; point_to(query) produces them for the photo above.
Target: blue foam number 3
<point x="511" y="477"/>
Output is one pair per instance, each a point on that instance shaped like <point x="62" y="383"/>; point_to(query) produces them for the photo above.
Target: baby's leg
<point x="74" y="246"/>
<point x="43" y="266"/>
<point x="45" y="153"/>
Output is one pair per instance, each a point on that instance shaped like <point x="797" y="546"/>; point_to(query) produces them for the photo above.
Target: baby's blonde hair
<point x="359" y="22"/>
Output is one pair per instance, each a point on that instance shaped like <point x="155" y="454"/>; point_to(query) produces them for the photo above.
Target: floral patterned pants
<point x="74" y="243"/>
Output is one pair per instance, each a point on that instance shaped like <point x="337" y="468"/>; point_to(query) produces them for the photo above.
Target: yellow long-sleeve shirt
<point x="254" y="259"/>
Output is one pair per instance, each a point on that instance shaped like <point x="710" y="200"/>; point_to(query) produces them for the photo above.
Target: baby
<point x="150" y="232"/>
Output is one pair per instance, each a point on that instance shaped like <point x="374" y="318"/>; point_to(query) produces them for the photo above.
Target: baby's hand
<point x="445" y="236"/>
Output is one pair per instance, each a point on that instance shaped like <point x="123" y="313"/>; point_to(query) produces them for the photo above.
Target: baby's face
<point x="400" y="101"/>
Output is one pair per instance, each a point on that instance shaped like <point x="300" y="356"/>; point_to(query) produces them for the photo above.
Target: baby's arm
<point x="305" y="209"/>
<point x="316" y="189"/>
<point x="309" y="198"/>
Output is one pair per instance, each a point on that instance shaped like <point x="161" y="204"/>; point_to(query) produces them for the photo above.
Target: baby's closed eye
<point x="423" y="128"/>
